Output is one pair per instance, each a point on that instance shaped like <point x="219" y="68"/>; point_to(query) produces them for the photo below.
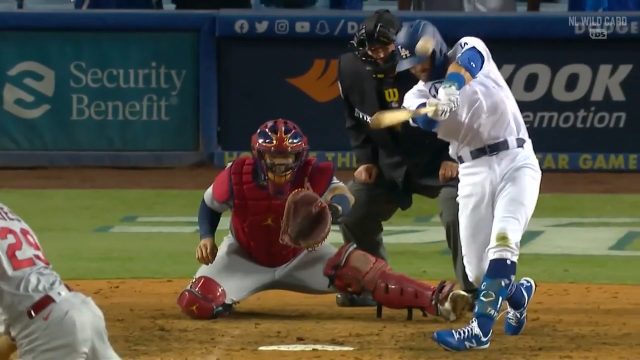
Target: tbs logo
<point x="598" y="34"/>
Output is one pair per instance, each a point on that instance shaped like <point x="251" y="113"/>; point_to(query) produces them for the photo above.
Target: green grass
<point x="552" y="205"/>
<point x="426" y="261"/>
<point x="65" y="221"/>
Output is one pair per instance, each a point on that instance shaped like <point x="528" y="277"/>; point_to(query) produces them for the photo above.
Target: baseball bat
<point x="386" y="118"/>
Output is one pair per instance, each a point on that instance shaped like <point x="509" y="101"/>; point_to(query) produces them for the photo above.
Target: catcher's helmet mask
<point x="279" y="148"/>
<point x="378" y="29"/>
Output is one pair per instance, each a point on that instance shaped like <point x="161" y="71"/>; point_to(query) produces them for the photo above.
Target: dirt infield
<point x="567" y="321"/>
<point x="200" y="177"/>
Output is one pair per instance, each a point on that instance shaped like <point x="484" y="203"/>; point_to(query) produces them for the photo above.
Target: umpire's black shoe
<point x="352" y="300"/>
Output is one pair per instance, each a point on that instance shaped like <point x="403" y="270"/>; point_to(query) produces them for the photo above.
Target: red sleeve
<point x="321" y="176"/>
<point x="222" y="186"/>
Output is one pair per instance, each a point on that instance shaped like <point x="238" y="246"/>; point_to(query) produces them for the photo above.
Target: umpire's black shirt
<point x="408" y="151"/>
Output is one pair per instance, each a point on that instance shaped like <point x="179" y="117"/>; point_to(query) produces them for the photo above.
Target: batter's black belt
<point x="492" y="149"/>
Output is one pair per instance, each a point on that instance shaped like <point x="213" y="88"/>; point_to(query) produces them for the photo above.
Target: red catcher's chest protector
<point x="256" y="214"/>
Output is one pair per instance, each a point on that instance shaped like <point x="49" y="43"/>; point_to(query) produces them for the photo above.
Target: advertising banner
<point x="318" y="24"/>
<point x="607" y="162"/>
<point x="575" y="96"/>
<point x="287" y="80"/>
<point x="99" y="91"/>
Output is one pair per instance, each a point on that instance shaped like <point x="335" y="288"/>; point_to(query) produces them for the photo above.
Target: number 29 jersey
<point x="25" y="274"/>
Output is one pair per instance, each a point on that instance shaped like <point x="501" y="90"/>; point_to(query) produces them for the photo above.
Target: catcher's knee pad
<point x="204" y="299"/>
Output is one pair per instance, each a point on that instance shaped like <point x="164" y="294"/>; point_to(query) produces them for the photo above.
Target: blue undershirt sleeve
<point x="208" y="220"/>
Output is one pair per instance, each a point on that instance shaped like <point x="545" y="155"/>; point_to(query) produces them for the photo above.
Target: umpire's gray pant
<point x="374" y="203"/>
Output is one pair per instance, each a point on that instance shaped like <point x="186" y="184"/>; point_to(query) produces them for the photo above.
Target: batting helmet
<point x="423" y="32"/>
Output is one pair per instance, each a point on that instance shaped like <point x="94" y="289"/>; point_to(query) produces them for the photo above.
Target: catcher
<point x="282" y="204"/>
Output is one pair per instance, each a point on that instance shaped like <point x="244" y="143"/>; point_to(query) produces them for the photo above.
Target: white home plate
<point x="305" y="347"/>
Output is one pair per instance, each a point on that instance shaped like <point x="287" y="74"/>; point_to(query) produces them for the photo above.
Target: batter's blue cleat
<point x="515" y="320"/>
<point x="468" y="338"/>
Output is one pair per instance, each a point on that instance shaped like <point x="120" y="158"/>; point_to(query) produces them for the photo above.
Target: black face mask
<point x="379" y="29"/>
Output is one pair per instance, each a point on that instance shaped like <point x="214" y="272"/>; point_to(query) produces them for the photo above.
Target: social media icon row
<point x="280" y="26"/>
<point x="283" y="27"/>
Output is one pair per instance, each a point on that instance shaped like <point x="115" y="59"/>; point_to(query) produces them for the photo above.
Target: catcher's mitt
<point x="307" y="220"/>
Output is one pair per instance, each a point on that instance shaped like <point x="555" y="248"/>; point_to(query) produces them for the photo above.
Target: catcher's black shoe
<point x="353" y="300"/>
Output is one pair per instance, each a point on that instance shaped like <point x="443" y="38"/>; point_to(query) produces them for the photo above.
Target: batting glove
<point x="448" y="93"/>
<point x="429" y="123"/>
<point x="443" y="109"/>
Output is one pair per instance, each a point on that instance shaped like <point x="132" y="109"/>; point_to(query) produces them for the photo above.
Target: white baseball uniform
<point x="497" y="193"/>
<point x="241" y="277"/>
<point x="46" y="319"/>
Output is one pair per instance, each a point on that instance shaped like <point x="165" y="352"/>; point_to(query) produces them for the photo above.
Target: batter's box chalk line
<point x="305" y="347"/>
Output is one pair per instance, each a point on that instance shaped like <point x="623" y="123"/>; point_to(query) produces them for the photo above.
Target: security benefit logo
<point x="320" y="82"/>
<point x="28" y="90"/>
<point x="133" y="93"/>
<point x="84" y="91"/>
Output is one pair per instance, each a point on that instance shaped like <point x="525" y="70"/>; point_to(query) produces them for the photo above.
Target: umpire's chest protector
<point x="367" y="95"/>
<point x="360" y="87"/>
<point x="256" y="214"/>
<point x="399" y="148"/>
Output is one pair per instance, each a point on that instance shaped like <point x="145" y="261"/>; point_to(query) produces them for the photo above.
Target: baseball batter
<point x="45" y="318"/>
<point x="253" y="257"/>
<point x="499" y="184"/>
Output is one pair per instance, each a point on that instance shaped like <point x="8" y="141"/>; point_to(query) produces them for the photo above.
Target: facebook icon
<point x="241" y="26"/>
